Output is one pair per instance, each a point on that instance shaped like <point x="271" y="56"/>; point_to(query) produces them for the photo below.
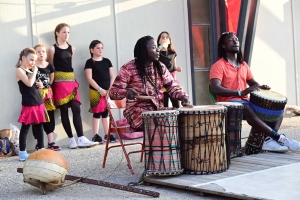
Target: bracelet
<point x="239" y="93"/>
<point x="99" y="89"/>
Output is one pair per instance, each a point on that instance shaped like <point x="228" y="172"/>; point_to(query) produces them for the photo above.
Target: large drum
<point x="162" y="150"/>
<point x="269" y="106"/>
<point x="234" y="127"/>
<point x="202" y="139"/>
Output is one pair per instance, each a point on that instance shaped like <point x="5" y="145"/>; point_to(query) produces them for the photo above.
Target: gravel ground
<point x="88" y="163"/>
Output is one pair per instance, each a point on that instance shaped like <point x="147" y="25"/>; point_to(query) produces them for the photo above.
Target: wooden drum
<point x="202" y="139"/>
<point x="162" y="151"/>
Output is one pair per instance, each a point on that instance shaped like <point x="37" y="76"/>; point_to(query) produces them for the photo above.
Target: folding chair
<point x="113" y="128"/>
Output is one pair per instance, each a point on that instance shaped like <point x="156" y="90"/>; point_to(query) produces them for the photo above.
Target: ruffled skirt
<point x="34" y="114"/>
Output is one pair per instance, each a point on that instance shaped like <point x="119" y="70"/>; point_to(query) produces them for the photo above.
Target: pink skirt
<point x="65" y="88"/>
<point x="97" y="102"/>
<point x="33" y="114"/>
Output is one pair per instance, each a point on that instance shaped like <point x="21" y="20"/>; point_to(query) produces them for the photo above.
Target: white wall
<point x="273" y="57"/>
<point x="117" y="23"/>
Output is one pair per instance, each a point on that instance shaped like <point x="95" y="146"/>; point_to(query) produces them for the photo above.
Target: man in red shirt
<point x="229" y="78"/>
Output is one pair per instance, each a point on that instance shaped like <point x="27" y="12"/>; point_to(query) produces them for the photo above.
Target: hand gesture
<point x="39" y="84"/>
<point x="131" y="93"/>
<point x="178" y="69"/>
<point x="185" y="102"/>
<point x="250" y="89"/>
<point x="265" y="87"/>
<point x="103" y="92"/>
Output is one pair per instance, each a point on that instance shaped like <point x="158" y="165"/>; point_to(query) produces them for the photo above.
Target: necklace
<point x="236" y="66"/>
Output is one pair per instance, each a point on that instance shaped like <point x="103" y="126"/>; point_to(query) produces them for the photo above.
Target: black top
<point x="43" y="75"/>
<point x="100" y="72"/>
<point x="62" y="60"/>
<point x="31" y="96"/>
<point x="167" y="58"/>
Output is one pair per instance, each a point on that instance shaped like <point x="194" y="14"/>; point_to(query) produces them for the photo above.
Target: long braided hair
<point x="141" y="58"/>
<point x="222" y="52"/>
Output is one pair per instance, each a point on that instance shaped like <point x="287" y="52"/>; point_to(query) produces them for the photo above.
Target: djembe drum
<point x="202" y="139"/>
<point x="234" y="127"/>
<point x="162" y="150"/>
<point x="45" y="169"/>
<point x="269" y="106"/>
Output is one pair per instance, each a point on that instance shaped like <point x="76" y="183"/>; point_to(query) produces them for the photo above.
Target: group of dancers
<point x="46" y="81"/>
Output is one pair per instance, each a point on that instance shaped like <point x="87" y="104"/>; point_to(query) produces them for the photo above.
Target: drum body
<point x="202" y="139"/>
<point x="162" y="149"/>
<point x="234" y="127"/>
<point x="268" y="105"/>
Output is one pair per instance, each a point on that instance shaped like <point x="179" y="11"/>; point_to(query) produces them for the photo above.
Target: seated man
<point x="144" y="75"/>
<point x="229" y="77"/>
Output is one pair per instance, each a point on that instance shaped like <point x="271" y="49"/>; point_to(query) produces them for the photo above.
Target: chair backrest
<point x="212" y="96"/>
<point x="115" y="104"/>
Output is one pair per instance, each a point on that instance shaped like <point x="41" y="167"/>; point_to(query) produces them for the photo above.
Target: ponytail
<point x="25" y="52"/>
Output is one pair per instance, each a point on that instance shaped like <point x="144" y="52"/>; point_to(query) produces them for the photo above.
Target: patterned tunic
<point x="128" y="77"/>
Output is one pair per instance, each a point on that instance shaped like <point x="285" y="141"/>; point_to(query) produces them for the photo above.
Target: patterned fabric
<point x="34" y="114"/>
<point x="162" y="149"/>
<point x="47" y="95"/>
<point x="128" y="78"/>
<point x="98" y="103"/>
<point x="230" y="77"/>
<point x="65" y="88"/>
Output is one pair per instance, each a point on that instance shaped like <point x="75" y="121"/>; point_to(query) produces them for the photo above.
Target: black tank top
<point x="62" y="60"/>
<point x="31" y="96"/>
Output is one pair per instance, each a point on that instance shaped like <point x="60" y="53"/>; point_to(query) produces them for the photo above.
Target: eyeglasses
<point x="227" y="33"/>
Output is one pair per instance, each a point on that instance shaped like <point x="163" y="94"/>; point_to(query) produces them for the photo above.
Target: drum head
<point x="269" y="94"/>
<point x="230" y="104"/>
<point x="160" y="113"/>
<point x="206" y="108"/>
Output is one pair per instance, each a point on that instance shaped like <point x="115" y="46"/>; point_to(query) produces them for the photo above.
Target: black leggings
<point x="48" y="126"/>
<point x="38" y="130"/>
<point x="77" y="122"/>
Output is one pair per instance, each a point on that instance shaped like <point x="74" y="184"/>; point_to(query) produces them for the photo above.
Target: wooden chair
<point x="113" y="128"/>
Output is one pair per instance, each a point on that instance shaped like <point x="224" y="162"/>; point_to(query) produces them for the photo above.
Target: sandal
<point x="53" y="146"/>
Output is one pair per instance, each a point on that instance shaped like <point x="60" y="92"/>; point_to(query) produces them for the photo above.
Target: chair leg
<point x="142" y="152"/>
<point x="106" y="148"/>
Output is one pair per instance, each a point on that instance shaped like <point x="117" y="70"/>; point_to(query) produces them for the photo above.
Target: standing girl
<point x="65" y="86"/>
<point x="44" y="77"/>
<point x="167" y="56"/>
<point x="33" y="110"/>
<point x="100" y="76"/>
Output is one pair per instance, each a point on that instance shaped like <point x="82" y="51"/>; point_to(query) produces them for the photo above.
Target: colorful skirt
<point x="34" y="114"/>
<point x="47" y="95"/>
<point x="97" y="102"/>
<point x="65" y="88"/>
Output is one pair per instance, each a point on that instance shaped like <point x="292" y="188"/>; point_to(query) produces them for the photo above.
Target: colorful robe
<point x="128" y="77"/>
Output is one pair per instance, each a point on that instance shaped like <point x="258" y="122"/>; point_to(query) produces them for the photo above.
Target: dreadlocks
<point x="141" y="57"/>
<point x="222" y="52"/>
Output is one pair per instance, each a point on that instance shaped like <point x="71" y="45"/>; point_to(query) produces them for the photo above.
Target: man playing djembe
<point x="229" y="77"/>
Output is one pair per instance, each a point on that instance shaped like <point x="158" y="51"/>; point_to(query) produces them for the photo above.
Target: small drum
<point x="162" y="150"/>
<point x="202" y="137"/>
<point x="268" y="105"/>
<point x="234" y="127"/>
<point x="255" y="141"/>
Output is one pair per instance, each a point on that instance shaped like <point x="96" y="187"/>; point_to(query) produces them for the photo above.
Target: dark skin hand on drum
<point x="231" y="48"/>
<point x="131" y="93"/>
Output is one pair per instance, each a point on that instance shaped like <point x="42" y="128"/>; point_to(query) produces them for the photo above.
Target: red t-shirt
<point x="231" y="78"/>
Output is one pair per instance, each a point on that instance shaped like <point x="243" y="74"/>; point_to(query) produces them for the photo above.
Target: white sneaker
<point x="293" y="145"/>
<point x="272" y="145"/>
<point x="72" y="143"/>
<point x="84" y="142"/>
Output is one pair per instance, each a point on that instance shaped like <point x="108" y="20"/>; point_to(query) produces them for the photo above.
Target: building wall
<point x="274" y="56"/>
<point x="117" y="23"/>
